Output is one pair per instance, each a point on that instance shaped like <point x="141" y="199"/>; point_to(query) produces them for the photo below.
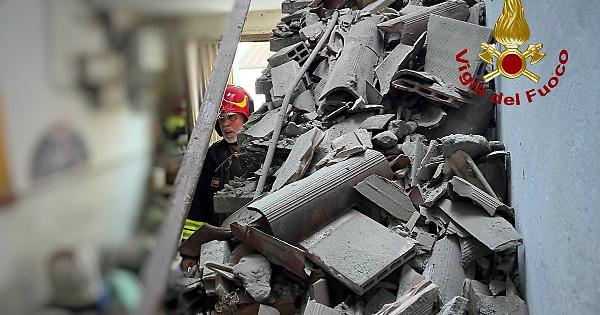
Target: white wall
<point x="93" y="204"/>
<point x="554" y="148"/>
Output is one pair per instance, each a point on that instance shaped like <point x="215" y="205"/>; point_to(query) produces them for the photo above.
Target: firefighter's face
<point x="231" y="124"/>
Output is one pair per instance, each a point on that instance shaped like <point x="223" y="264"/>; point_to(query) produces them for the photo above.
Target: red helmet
<point x="236" y="100"/>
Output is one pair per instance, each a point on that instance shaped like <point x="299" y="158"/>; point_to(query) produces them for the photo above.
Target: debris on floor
<point x="387" y="193"/>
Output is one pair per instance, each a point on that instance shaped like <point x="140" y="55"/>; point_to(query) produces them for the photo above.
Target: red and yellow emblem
<point x="511" y="31"/>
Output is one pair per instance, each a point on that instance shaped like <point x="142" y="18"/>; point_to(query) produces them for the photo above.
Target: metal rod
<point x="283" y="110"/>
<point x="156" y="270"/>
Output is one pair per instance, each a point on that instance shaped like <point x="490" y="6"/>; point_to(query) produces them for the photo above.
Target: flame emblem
<point x="511" y="31"/>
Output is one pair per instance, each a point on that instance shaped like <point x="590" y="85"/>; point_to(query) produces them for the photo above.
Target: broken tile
<point x="276" y="250"/>
<point x="356" y="65"/>
<point x="467" y="190"/>
<point x="386" y="195"/>
<point x="348" y="125"/>
<point x="445" y="269"/>
<point x="495" y="232"/>
<point x="319" y="198"/>
<point x="435" y="194"/>
<point x="447" y="37"/>
<point x="299" y="159"/>
<point x="381" y="298"/>
<point x="373" y="94"/>
<point x="255" y="272"/>
<point x="424" y="240"/>
<point x="419" y="300"/>
<point x="456" y="306"/>
<point x="344" y="249"/>
<point x="398" y="58"/>
<point x="377" y="122"/>
<point x="360" y="106"/>
<point x="412" y="25"/>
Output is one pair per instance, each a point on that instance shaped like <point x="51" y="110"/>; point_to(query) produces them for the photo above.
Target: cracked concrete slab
<point x="494" y="232"/>
<point x="386" y="195"/>
<point x="344" y="249"/>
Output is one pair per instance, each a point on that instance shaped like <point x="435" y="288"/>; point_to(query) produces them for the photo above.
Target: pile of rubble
<point x="386" y="196"/>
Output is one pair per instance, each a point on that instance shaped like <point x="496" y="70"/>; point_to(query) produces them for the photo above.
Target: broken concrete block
<point x="278" y="43"/>
<point x="292" y="130"/>
<point x="425" y="240"/>
<point x="216" y="252"/>
<point x="346" y="126"/>
<point x="402" y="128"/>
<point x="377" y="122"/>
<point x="480" y="301"/>
<point x="386" y="195"/>
<point x="299" y="159"/>
<point x="398" y="58"/>
<point x="385" y="140"/>
<point x="467" y="190"/>
<point x="319" y="198"/>
<point x="461" y="164"/>
<point x="419" y="300"/>
<point x="429" y="87"/>
<point x="413" y="25"/>
<point x="435" y="194"/>
<point x="456" y="306"/>
<point x="360" y="139"/>
<point x="447" y="37"/>
<point x="264" y="126"/>
<point x="356" y="65"/>
<point x="283" y="76"/>
<point x="277" y="251"/>
<point x="298" y="52"/>
<point x="381" y="298"/>
<point x="445" y="269"/>
<point x="344" y="248"/>
<point x="233" y="196"/>
<point x="206" y="233"/>
<point x="474" y="145"/>
<point x="494" y="232"/>
<point x="255" y="272"/>
<point x="314" y="308"/>
<point x="291" y="6"/>
<point x="312" y="32"/>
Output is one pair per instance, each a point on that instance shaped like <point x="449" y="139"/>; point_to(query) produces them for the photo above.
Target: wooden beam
<point x="156" y="269"/>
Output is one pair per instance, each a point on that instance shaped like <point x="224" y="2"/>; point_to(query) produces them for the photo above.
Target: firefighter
<point x="220" y="166"/>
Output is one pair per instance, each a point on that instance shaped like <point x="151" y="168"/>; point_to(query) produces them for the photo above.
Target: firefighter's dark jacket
<point x="220" y="166"/>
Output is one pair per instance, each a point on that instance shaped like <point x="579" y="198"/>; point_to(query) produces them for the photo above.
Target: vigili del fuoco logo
<point x="511" y="31"/>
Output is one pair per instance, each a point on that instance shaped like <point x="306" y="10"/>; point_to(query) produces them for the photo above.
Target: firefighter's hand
<point x="188" y="263"/>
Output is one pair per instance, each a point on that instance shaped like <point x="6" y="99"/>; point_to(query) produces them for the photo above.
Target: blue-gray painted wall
<point x="555" y="151"/>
